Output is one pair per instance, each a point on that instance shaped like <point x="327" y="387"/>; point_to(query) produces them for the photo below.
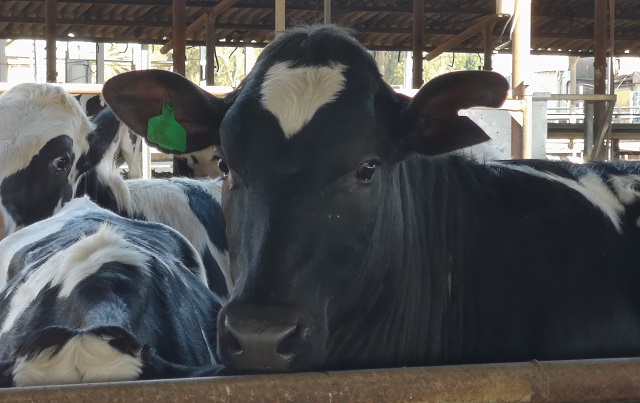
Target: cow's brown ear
<point x="184" y="118"/>
<point x="431" y="124"/>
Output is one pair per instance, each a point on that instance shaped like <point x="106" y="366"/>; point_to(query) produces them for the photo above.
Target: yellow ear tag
<point x="165" y="131"/>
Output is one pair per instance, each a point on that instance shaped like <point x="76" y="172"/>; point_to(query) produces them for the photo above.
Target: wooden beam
<point x="604" y="380"/>
<point x="201" y="21"/>
<point x="50" y="33"/>
<point x="402" y="7"/>
<point x="463" y="36"/>
<point x="488" y="46"/>
<point x="418" y="42"/>
<point x="179" y="12"/>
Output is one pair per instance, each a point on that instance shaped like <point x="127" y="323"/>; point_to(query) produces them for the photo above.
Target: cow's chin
<point x="304" y="362"/>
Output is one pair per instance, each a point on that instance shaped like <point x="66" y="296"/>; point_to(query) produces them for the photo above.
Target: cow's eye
<point x="222" y="166"/>
<point x="60" y="164"/>
<point x="365" y="171"/>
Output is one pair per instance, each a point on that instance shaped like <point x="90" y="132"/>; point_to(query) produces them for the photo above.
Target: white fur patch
<point x="36" y="231"/>
<point x="72" y="265"/>
<point x="164" y="201"/>
<point x="31" y="114"/>
<point x="84" y="358"/>
<point x="294" y="94"/>
<point x="591" y="186"/>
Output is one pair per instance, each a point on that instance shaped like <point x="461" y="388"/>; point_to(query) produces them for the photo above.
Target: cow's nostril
<point x="291" y="341"/>
<point x="259" y="339"/>
<point x="233" y="345"/>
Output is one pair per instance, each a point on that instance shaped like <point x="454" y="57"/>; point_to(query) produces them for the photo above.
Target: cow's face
<point x="44" y="146"/>
<point x="311" y="144"/>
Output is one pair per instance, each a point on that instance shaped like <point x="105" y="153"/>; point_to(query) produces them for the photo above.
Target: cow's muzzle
<point x="261" y="339"/>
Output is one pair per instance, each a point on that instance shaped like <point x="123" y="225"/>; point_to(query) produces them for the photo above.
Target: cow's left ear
<point x="187" y="118"/>
<point x="431" y="125"/>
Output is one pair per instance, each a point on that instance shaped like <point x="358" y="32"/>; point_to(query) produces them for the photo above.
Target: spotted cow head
<point x="311" y="144"/>
<point x="46" y="144"/>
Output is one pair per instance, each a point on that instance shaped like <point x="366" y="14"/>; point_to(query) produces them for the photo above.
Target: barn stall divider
<point x="549" y="381"/>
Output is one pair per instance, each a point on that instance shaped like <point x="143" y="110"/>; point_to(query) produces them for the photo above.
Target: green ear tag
<point x="165" y="131"/>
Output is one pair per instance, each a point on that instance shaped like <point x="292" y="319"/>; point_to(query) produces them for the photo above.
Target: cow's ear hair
<point x="138" y="96"/>
<point x="431" y="125"/>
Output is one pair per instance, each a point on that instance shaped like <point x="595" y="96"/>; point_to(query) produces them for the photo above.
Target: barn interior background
<point x="573" y="65"/>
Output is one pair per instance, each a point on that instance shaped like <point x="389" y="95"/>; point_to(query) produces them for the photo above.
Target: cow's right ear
<point x="139" y="96"/>
<point x="431" y="125"/>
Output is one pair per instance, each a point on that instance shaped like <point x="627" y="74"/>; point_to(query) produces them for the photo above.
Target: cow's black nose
<point x="261" y="339"/>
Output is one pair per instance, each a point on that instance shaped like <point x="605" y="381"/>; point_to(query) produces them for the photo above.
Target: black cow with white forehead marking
<point x="357" y="241"/>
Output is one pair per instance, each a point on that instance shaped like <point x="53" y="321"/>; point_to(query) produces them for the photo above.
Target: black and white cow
<point x="94" y="297"/>
<point x="127" y="146"/>
<point x="357" y="241"/>
<point x="50" y="152"/>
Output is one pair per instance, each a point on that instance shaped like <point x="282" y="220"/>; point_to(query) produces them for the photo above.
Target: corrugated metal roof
<point x="558" y="27"/>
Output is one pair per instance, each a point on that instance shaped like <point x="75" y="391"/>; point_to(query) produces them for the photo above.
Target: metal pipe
<point x="559" y="381"/>
<point x="521" y="136"/>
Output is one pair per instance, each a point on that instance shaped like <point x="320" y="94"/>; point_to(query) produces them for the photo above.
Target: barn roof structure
<point x="558" y="27"/>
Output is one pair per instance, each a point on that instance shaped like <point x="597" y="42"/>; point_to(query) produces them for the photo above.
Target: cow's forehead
<point x="294" y="94"/>
<point x="310" y="101"/>
<point x="32" y="115"/>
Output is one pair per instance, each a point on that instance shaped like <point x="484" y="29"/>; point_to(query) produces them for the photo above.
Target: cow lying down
<point x="357" y="241"/>
<point x="92" y="297"/>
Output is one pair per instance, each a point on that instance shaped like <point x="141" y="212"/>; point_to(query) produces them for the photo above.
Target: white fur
<point x="70" y="266"/>
<point x="294" y="94"/>
<point x="32" y="114"/>
<point x="164" y="201"/>
<point x="626" y="188"/>
<point x="84" y="358"/>
<point x="34" y="232"/>
<point x="482" y="152"/>
<point x="131" y="150"/>
<point x="206" y="166"/>
<point x="590" y="186"/>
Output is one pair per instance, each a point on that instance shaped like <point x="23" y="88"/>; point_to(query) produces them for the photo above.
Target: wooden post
<point x="418" y="42"/>
<point x="488" y="46"/>
<point x="210" y="49"/>
<point x="327" y="11"/>
<point x="220" y="7"/>
<point x="179" y="36"/>
<point x="280" y="23"/>
<point x="521" y="136"/>
<point x="51" y="22"/>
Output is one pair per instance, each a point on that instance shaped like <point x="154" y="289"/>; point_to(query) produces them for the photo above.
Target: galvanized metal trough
<point x="559" y="381"/>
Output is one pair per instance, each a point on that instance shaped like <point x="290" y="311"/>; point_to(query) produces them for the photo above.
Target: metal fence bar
<point x="560" y="381"/>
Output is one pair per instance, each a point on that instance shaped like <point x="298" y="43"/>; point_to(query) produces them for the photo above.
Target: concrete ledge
<point x="560" y="381"/>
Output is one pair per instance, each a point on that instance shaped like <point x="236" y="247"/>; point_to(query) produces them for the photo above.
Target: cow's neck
<point x="104" y="185"/>
<point x="418" y="314"/>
